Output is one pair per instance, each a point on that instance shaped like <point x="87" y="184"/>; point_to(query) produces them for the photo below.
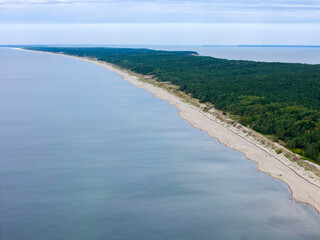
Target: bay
<point x="288" y="54"/>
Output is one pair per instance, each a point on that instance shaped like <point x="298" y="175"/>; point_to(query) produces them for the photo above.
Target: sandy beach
<point x="304" y="185"/>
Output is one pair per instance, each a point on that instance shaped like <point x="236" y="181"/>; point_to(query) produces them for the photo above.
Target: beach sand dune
<point x="304" y="186"/>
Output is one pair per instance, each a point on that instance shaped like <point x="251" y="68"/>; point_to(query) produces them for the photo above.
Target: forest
<point x="278" y="99"/>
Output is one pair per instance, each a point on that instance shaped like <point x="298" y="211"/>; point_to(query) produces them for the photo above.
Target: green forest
<point x="279" y="99"/>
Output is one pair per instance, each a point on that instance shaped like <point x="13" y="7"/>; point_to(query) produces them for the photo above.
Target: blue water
<point x="294" y="54"/>
<point x="86" y="155"/>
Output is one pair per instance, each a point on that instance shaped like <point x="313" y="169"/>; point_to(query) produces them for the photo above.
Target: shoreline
<point x="303" y="184"/>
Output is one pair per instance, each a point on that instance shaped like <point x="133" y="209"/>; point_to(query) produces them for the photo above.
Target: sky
<point x="160" y="22"/>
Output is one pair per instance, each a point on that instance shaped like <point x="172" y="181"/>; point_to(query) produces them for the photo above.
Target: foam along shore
<point x="304" y="184"/>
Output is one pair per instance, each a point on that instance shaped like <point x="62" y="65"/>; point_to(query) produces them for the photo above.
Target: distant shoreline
<point x="304" y="186"/>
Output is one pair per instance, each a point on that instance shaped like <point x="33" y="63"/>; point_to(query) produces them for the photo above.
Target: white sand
<point x="304" y="185"/>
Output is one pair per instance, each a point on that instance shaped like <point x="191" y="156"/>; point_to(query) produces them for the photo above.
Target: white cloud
<point x="181" y="3"/>
<point x="108" y="11"/>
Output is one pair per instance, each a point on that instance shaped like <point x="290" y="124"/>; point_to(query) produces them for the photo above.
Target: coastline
<point x="304" y="185"/>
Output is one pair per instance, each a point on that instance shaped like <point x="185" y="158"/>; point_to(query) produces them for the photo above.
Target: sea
<point x="263" y="53"/>
<point x="86" y="155"/>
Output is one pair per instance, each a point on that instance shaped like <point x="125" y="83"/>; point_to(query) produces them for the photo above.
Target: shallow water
<point x="86" y="155"/>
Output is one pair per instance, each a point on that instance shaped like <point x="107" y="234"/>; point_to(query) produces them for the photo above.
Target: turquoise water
<point x="86" y="155"/>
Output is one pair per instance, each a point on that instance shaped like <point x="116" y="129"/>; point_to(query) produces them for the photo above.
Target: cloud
<point x="32" y="2"/>
<point x="180" y="21"/>
<point x="110" y="11"/>
<point x="225" y="3"/>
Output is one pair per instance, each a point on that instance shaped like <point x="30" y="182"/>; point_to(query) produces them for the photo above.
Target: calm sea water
<point x="86" y="155"/>
<point x="310" y="55"/>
